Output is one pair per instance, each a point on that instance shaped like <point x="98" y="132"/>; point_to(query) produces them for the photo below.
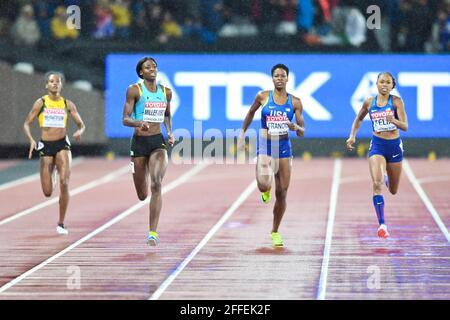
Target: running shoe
<point x="277" y="241"/>
<point x="61" y="229"/>
<point x="382" y="231"/>
<point x="152" y="239"/>
<point x="265" y="196"/>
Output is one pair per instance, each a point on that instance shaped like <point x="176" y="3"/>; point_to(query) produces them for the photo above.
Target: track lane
<point x="29" y="194"/>
<point x="28" y="241"/>
<point x="5" y="164"/>
<point x="117" y="263"/>
<point x="413" y="264"/>
<point x="239" y="262"/>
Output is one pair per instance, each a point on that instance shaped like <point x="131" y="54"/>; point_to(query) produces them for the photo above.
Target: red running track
<point x="26" y="195"/>
<point x="236" y="260"/>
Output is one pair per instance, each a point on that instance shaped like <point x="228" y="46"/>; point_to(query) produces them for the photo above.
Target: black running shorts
<point x="143" y="146"/>
<point x="51" y="148"/>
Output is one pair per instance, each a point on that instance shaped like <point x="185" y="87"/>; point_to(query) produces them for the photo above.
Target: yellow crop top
<point x="53" y="114"/>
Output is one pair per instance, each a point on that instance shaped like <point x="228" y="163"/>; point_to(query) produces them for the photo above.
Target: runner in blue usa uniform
<point x="274" y="152"/>
<point x="387" y="114"/>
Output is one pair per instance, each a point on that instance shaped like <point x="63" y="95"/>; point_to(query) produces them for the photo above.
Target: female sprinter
<point x="388" y="115"/>
<point x="147" y="106"/>
<point x="274" y="151"/>
<point x="54" y="146"/>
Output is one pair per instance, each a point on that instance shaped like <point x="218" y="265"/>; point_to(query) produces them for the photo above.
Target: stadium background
<point x="333" y="55"/>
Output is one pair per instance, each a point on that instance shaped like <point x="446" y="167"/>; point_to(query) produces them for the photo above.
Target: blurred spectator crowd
<point x="404" y="25"/>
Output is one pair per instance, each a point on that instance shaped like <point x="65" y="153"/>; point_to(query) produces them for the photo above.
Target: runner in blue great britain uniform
<point x="388" y="115"/>
<point x="274" y="152"/>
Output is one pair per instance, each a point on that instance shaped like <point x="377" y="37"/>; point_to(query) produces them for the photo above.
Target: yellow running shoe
<point x="152" y="238"/>
<point x="265" y="196"/>
<point x="277" y="241"/>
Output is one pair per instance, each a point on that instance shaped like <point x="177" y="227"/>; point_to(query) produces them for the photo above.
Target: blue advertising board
<point x="215" y="91"/>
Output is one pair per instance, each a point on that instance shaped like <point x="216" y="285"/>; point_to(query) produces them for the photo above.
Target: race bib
<point x="277" y="125"/>
<point x="54" y="118"/>
<point x="154" y="111"/>
<point x="380" y="124"/>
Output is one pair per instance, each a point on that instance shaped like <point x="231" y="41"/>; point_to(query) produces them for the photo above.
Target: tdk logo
<point x="235" y="82"/>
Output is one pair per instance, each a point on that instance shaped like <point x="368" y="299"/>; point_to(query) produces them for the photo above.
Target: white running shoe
<point x="382" y="231"/>
<point x="61" y="230"/>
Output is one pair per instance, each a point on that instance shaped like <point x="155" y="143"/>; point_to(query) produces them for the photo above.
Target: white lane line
<point x="90" y="185"/>
<point x="412" y="178"/>
<point x="34" y="176"/>
<point x="172" y="185"/>
<point x="245" y="194"/>
<point x="433" y="179"/>
<point x="330" y="225"/>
